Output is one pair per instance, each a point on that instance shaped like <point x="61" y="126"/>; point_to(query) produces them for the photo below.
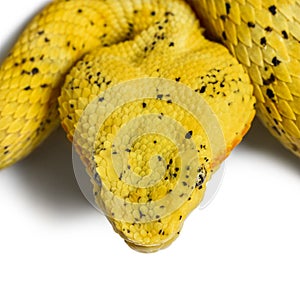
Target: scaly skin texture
<point x="32" y="74"/>
<point x="166" y="42"/>
<point x="111" y="42"/>
<point x="265" y="38"/>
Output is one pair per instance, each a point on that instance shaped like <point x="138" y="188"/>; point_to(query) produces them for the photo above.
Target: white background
<point x="55" y="245"/>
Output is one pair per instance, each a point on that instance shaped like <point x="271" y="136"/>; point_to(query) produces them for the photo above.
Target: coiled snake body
<point x="78" y="51"/>
<point x="265" y="38"/>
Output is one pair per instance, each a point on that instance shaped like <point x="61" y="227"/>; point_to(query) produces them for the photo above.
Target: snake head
<point x="150" y="219"/>
<point x="152" y="116"/>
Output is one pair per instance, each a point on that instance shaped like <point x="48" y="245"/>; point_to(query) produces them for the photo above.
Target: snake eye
<point x="202" y="173"/>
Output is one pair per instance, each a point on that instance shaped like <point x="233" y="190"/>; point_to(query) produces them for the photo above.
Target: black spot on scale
<point x="172" y="44"/>
<point x="178" y="79"/>
<point x="101" y="99"/>
<point x="144" y="105"/>
<point x="203" y="89"/>
<point x="79" y="11"/>
<point x="189" y="135"/>
<point x="263" y="41"/>
<point x="160" y="96"/>
<point x="228" y="7"/>
<point x="273" y="10"/>
<point x="269" y="80"/>
<point x="268" y="29"/>
<point x="251" y="25"/>
<point x="276" y="61"/>
<point x="34" y="71"/>
<point x="284" y="34"/>
<point x="270" y="93"/>
<point x="27" y="88"/>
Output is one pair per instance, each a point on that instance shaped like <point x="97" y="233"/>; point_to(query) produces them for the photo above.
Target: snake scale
<point x="96" y="56"/>
<point x="264" y="35"/>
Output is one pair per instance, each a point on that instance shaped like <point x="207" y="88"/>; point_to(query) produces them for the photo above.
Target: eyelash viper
<point x="74" y="51"/>
<point x="265" y="37"/>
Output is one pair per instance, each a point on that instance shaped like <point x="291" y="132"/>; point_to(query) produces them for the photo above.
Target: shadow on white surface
<point x="260" y="141"/>
<point x="47" y="174"/>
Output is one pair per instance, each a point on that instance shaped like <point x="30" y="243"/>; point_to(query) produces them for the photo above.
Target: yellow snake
<point x="120" y="67"/>
<point x="265" y="37"/>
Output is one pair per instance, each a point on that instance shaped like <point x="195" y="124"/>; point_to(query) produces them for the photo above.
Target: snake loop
<point x="265" y="37"/>
<point x="186" y="104"/>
